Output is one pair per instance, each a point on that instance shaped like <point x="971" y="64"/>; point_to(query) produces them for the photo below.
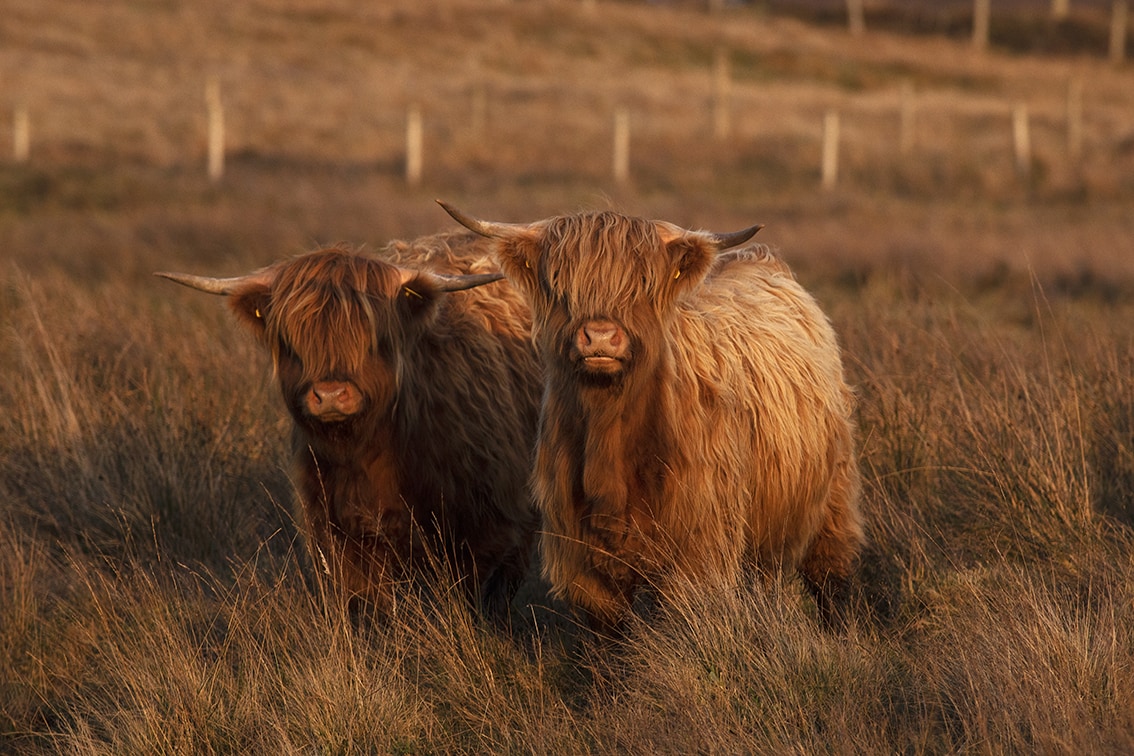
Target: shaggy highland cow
<point x="414" y="398"/>
<point x="695" y="418"/>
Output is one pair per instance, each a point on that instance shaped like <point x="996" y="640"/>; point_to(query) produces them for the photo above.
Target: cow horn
<point x="213" y="285"/>
<point x="736" y="238"/>
<point x="484" y="228"/>
<point x="460" y="283"/>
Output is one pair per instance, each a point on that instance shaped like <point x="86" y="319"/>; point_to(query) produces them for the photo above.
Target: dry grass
<point x="152" y="596"/>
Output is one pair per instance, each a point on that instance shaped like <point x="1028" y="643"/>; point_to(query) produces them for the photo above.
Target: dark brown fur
<point x="436" y="459"/>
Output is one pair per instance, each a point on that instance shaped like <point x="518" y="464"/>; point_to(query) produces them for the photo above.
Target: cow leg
<point x="831" y="561"/>
<point x="604" y="608"/>
<point x="501" y="586"/>
<point x="831" y="593"/>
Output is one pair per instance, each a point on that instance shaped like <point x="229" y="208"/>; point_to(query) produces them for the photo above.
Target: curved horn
<point x="222" y="286"/>
<point x="449" y="281"/>
<point x="484" y="228"/>
<point x="460" y="283"/>
<point x="736" y="238"/>
<point x="203" y="283"/>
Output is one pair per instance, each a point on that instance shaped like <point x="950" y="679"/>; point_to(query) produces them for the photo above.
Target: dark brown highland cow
<point x="414" y="398"/>
<point x="695" y="418"/>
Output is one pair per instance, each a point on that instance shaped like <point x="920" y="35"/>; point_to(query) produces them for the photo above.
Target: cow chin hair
<point x="346" y="428"/>
<point x="600" y="381"/>
<point x="343" y="435"/>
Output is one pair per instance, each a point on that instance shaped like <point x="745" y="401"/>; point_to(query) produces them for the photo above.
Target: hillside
<point x="115" y="96"/>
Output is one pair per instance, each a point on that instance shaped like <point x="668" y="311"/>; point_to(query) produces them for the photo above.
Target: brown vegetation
<point x="151" y="597"/>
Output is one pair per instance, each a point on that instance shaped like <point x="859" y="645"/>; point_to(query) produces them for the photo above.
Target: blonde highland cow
<point x="695" y="419"/>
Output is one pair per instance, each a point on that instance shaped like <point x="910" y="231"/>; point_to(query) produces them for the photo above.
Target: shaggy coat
<point x="695" y="418"/>
<point x="414" y="410"/>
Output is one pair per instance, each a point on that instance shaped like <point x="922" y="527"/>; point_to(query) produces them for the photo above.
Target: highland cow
<point x="695" y="419"/>
<point x="414" y="398"/>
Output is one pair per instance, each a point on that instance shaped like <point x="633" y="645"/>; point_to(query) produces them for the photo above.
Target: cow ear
<point x="519" y="259"/>
<point x="691" y="256"/>
<point x="250" y="304"/>
<point x="417" y="298"/>
<point x="516" y="246"/>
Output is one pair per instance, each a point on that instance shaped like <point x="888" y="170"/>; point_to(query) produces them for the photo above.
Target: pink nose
<point x="601" y="338"/>
<point x="333" y="399"/>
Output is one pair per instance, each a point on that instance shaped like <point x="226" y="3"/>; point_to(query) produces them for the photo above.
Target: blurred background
<point x="886" y="132"/>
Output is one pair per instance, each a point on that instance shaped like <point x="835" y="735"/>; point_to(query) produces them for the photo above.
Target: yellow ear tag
<point x="410" y="292"/>
<point x="527" y="264"/>
<point x="676" y="274"/>
<point x="258" y="315"/>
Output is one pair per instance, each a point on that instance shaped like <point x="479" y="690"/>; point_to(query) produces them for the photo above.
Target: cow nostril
<point x="600" y="338"/>
<point x="324" y="394"/>
<point x="600" y="332"/>
<point x="332" y="400"/>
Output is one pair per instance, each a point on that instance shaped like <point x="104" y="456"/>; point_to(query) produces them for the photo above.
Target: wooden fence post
<point x="621" y="157"/>
<point x="215" y="130"/>
<point x="830" y="171"/>
<point x="1118" y="24"/>
<point x="981" y="22"/>
<point x="1022" y="140"/>
<point x="1075" y="119"/>
<point x="856" y="17"/>
<point x="21" y="134"/>
<point x="414" y="140"/>
<point x="722" y="107"/>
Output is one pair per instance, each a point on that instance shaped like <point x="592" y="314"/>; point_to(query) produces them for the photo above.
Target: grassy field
<point x="153" y="593"/>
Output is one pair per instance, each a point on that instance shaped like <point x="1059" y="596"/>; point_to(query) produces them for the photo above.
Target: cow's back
<point x="498" y="306"/>
<point x="768" y="411"/>
<point x="472" y="401"/>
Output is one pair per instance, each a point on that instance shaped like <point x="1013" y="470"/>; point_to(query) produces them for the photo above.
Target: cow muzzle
<point x="601" y="347"/>
<point x="330" y="401"/>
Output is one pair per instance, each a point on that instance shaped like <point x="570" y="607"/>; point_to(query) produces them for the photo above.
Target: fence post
<point x="215" y="130"/>
<point x="722" y="124"/>
<point x="981" y="21"/>
<point x="1118" y="24"/>
<point x="621" y="158"/>
<point x="21" y="134"/>
<point x="907" y="119"/>
<point x="1075" y="119"/>
<point x="1060" y="9"/>
<point x="830" y="149"/>
<point x="856" y="17"/>
<point x="1022" y="140"/>
<point x="413" y="145"/>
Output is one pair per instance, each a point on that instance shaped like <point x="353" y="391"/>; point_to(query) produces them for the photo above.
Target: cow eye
<point x="286" y="350"/>
<point x="381" y="348"/>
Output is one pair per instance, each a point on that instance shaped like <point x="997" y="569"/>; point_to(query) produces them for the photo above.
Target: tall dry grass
<point x="154" y="596"/>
